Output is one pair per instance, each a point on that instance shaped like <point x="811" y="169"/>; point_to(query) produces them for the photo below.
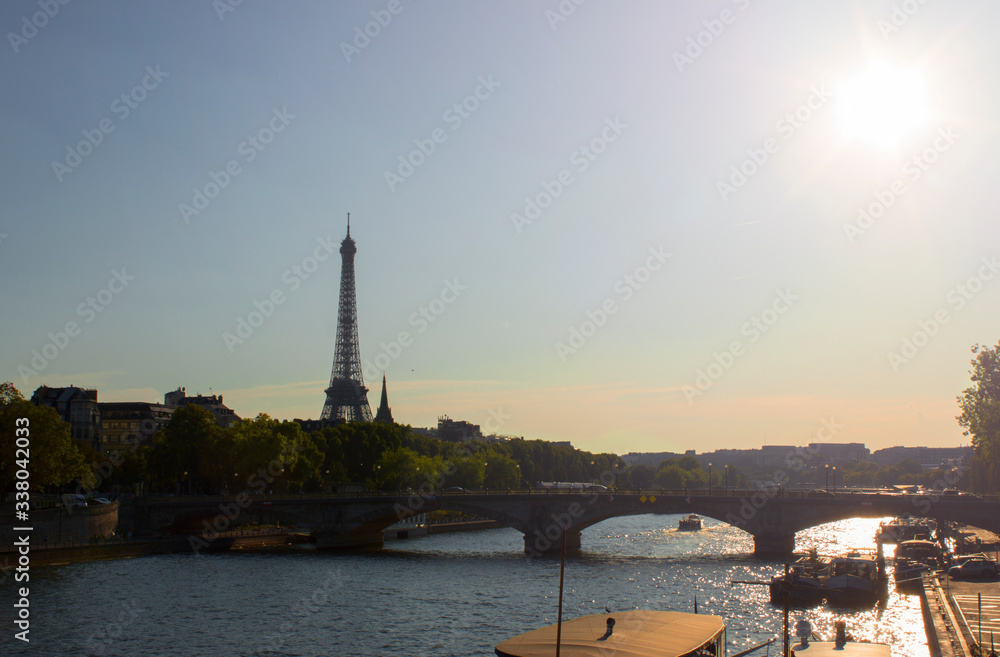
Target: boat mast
<point x="562" y="569"/>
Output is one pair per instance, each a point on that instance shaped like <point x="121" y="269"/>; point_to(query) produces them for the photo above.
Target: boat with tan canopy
<point x="637" y="633"/>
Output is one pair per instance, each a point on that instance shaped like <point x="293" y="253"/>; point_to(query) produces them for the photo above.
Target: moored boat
<point x="639" y="633"/>
<point x="841" y="646"/>
<point x="854" y="580"/>
<point x="805" y="582"/>
<point x="689" y="523"/>
<point x="913" y="559"/>
<point x="901" y="529"/>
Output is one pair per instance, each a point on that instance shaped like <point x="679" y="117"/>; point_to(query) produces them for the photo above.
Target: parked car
<point x="819" y="492"/>
<point x="74" y="501"/>
<point x="975" y="569"/>
<point x="454" y="489"/>
<point x="100" y="500"/>
<point x="959" y="559"/>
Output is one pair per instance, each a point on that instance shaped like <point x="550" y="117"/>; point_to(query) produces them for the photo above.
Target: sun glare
<point x="883" y="103"/>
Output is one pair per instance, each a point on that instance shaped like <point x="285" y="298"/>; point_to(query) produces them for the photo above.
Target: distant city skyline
<point x="650" y="226"/>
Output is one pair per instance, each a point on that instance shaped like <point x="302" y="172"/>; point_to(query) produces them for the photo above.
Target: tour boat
<point x="637" y="633"/>
<point x="689" y="523"/>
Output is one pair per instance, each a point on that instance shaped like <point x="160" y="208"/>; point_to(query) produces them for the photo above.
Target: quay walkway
<point x="957" y="624"/>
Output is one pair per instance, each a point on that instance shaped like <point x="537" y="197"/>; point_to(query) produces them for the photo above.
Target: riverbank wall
<point x="52" y="555"/>
<point x="61" y="525"/>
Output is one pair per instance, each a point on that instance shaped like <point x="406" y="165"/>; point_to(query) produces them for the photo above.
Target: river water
<point x="444" y="595"/>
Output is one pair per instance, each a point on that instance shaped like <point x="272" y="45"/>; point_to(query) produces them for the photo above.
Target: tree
<point x="186" y="451"/>
<point x="980" y="404"/>
<point x="639" y="476"/>
<point x="54" y="458"/>
<point x="501" y="471"/>
<point x="671" y="477"/>
<point x="306" y="470"/>
<point x="402" y="468"/>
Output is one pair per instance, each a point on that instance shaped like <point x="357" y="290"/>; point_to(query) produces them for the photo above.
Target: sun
<point x="883" y="103"/>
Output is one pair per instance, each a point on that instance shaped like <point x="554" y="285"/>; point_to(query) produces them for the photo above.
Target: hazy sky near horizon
<point x="638" y="226"/>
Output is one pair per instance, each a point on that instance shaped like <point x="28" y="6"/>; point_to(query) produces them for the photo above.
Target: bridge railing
<point x="714" y="492"/>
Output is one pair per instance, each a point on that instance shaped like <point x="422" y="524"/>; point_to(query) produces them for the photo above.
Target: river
<point x="444" y="595"/>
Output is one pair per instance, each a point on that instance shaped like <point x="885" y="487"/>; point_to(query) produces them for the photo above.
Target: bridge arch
<point x="544" y="518"/>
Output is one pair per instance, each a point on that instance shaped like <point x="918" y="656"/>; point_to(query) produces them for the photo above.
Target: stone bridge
<point x="341" y="521"/>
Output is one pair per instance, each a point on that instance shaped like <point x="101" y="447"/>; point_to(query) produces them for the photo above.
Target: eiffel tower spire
<point x="384" y="413"/>
<point x="347" y="397"/>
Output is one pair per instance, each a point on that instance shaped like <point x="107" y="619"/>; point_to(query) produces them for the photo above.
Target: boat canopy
<point x="635" y="634"/>
<point x="851" y="649"/>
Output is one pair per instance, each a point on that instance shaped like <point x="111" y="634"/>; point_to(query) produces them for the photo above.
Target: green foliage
<point x="980" y="404"/>
<point x="401" y="468"/>
<point x="190" y="451"/>
<point x="501" y="471"/>
<point x="682" y="473"/>
<point x="55" y="459"/>
<point x="638" y="477"/>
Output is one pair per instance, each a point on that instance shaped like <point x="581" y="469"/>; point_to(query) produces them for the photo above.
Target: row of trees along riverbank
<point x="192" y="454"/>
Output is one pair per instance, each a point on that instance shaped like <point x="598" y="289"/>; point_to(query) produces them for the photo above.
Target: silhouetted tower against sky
<point x="347" y="396"/>
<point x="384" y="413"/>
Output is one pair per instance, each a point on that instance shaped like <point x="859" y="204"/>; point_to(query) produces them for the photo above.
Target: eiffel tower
<point x="347" y="396"/>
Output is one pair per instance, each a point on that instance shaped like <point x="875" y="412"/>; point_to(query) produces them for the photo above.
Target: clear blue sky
<point x="629" y="122"/>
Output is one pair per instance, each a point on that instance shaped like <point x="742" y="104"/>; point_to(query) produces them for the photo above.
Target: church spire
<point x="384" y="413"/>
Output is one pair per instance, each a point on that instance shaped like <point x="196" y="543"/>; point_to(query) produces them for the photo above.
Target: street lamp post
<point x="834" y="480"/>
<point x="727" y="479"/>
<point x="827" y="468"/>
<point x="710" y="480"/>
